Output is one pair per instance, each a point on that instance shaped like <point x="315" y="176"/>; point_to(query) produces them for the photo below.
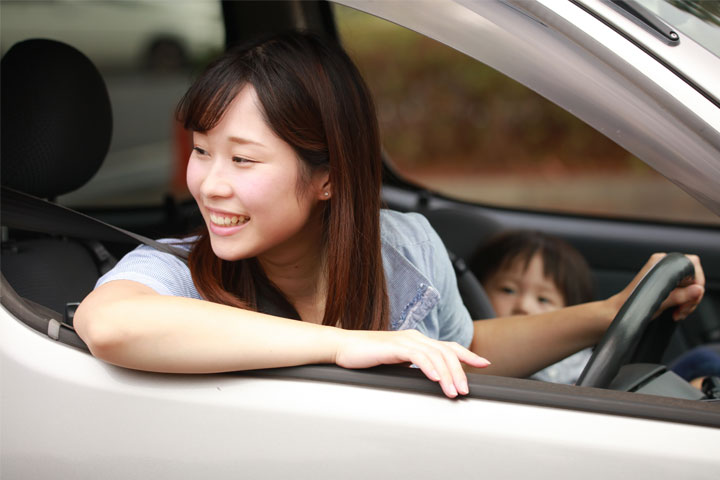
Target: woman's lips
<point x="221" y="223"/>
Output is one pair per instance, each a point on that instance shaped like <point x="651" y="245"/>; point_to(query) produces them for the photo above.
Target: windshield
<point x="699" y="20"/>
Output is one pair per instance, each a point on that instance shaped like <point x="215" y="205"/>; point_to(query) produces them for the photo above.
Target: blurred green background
<point x="459" y="127"/>
<point x="436" y="102"/>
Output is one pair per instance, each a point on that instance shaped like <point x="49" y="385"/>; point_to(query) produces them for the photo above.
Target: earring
<point x="326" y="194"/>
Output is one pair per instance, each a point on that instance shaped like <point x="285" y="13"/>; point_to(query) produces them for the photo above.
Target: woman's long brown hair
<point x="314" y="99"/>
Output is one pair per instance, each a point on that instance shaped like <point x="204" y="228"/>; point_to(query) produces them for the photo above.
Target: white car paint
<point x="88" y="419"/>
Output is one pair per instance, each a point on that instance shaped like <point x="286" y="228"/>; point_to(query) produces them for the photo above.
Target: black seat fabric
<point x="49" y="271"/>
<point x="56" y="130"/>
<point x="56" y="118"/>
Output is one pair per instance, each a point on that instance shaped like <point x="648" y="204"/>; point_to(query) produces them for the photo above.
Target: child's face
<point x="519" y="291"/>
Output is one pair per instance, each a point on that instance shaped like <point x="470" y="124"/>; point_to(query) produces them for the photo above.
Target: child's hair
<point x="562" y="263"/>
<point x="314" y="99"/>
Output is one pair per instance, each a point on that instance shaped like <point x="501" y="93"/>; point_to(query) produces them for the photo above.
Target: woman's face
<point x="245" y="180"/>
<point x="517" y="290"/>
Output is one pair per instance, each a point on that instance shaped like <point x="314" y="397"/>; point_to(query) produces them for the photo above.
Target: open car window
<point x="458" y="127"/>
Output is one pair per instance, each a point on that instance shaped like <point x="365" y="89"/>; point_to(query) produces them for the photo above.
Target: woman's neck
<point x="300" y="273"/>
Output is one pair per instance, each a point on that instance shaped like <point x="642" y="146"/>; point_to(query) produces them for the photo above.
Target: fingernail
<point x="463" y="388"/>
<point x="452" y="391"/>
<point x="435" y="375"/>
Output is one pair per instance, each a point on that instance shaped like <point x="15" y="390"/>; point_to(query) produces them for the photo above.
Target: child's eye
<point x="508" y="290"/>
<point x="545" y="300"/>
<point x="200" y="151"/>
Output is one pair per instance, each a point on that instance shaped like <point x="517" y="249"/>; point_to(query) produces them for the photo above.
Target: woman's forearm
<point x="128" y="324"/>
<point x="137" y="328"/>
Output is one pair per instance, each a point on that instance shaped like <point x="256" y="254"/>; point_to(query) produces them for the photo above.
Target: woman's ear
<point x="325" y="189"/>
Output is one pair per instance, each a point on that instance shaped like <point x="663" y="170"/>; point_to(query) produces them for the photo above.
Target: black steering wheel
<point x="632" y="322"/>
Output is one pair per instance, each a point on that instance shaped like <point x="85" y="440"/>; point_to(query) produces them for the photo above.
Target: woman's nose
<point x="215" y="183"/>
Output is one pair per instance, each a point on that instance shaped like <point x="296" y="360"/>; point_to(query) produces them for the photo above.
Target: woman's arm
<point x="520" y="346"/>
<point x="128" y="324"/>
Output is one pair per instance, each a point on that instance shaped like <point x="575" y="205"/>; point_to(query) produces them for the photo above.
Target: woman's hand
<point x="439" y="361"/>
<point x="684" y="299"/>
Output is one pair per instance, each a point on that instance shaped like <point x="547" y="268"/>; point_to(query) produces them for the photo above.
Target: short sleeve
<point x="421" y="280"/>
<point x="163" y="272"/>
<point x="453" y="317"/>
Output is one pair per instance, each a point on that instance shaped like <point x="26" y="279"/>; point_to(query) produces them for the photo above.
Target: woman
<point x="285" y="170"/>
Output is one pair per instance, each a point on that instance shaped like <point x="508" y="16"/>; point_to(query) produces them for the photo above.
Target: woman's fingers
<point x="468" y="357"/>
<point x="447" y="358"/>
<point x="462" y="355"/>
<point x="440" y="370"/>
<point x="439" y="361"/>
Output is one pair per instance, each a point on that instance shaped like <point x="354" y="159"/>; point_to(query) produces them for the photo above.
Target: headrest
<point x="56" y="118"/>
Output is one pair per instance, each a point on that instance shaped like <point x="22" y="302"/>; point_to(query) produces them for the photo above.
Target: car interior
<point x="57" y="127"/>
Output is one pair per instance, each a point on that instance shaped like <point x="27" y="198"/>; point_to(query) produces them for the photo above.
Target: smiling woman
<point x="285" y="170"/>
<point x="282" y="179"/>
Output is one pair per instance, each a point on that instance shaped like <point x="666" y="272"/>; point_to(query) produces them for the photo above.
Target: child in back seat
<point x="527" y="272"/>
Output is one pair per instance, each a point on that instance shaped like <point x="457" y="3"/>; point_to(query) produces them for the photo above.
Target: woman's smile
<point x="223" y="223"/>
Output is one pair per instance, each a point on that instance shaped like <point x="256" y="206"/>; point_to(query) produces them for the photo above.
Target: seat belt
<point x="104" y="259"/>
<point x="27" y="212"/>
<point x="30" y="213"/>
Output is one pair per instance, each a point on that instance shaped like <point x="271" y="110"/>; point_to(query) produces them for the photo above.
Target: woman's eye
<point x="241" y="160"/>
<point x="200" y="151"/>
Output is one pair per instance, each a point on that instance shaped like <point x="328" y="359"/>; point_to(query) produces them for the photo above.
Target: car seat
<point x="461" y="242"/>
<point x="56" y="130"/>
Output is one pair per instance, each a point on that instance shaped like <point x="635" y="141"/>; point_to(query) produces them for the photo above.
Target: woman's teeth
<point x="224" y="221"/>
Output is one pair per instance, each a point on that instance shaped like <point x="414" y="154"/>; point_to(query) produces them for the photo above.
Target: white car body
<point x="69" y="415"/>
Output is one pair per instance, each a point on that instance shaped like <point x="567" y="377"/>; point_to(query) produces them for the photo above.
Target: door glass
<point x="453" y="125"/>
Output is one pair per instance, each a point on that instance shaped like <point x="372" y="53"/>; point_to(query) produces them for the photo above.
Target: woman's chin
<point x="228" y="250"/>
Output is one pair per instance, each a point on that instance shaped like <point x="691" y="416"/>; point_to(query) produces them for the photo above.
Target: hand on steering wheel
<point x="654" y="292"/>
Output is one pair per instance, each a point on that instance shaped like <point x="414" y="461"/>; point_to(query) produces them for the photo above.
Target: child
<point x="526" y="272"/>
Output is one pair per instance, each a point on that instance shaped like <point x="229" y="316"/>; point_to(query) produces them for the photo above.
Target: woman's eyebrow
<point x="245" y="141"/>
